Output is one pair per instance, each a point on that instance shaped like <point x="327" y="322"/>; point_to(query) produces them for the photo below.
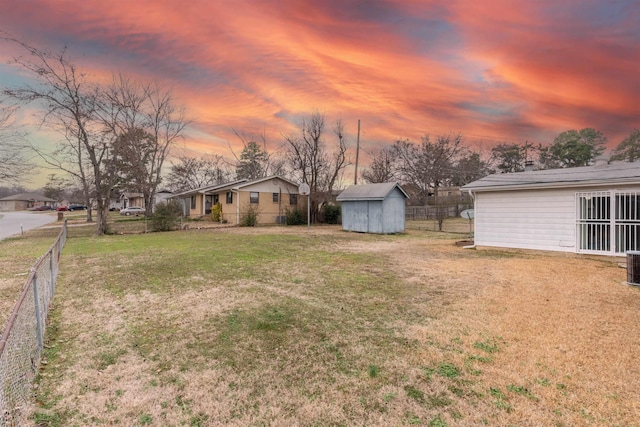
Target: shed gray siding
<point x="375" y="216"/>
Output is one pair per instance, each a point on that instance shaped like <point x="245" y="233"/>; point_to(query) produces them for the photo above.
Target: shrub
<point x="216" y="212"/>
<point x="250" y="217"/>
<point x="295" y="217"/>
<point x="331" y="214"/>
<point x="166" y="216"/>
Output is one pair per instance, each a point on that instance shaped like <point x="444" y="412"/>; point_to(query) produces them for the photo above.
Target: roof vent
<point x="528" y="166"/>
<point x="600" y="161"/>
<point x="633" y="268"/>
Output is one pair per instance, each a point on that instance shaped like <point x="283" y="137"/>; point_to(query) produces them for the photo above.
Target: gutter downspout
<point x="474" y="222"/>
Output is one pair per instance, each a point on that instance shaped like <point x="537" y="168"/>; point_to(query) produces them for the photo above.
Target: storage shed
<point x="590" y="210"/>
<point x="373" y="208"/>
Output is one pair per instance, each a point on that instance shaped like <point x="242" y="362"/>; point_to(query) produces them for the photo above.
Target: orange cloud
<point x="493" y="70"/>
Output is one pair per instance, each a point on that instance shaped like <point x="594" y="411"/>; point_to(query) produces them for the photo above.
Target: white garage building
<point x="591" y="210"/>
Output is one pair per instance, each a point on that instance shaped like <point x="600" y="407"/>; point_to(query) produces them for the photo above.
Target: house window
<point x="293" y="199"/>
<point x="193" y="202"/>
<point x="229" y="197"/>
<point x="216" y="199"/>
<point x="207" y="204"/>
<point x="276" y="197"/>
<point x="254" y="197"/>
<point x="608" y="221"/>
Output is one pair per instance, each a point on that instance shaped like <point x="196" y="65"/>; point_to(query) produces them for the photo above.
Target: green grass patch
<point x="522" y="391"/>
<point x="489" y="346"/>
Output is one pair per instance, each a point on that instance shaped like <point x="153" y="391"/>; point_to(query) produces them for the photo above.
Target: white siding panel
<point x="535" y="219"/>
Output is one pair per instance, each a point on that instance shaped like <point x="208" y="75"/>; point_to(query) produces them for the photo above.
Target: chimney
<point x="528" y="165"/>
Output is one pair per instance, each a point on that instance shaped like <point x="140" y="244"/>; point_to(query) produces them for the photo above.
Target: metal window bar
<point x="594" y="221"/>
<point x="608" y="221"/>
<point x="627" y="225"/>
<point x="21" y="342"/>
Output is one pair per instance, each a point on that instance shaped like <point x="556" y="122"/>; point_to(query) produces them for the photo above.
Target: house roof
<point x="259" y="180"/>
<point x="233" y="185"/>
<point x="131" y="195"/>
<point x="369" y="192"/>
<point x="608" y="173"/>
<point x="29" y="197"/>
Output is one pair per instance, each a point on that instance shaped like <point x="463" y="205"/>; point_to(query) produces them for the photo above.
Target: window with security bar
<point x="627" y="222"/>
<point x="594" y="221"/>
<point x="607" y="218"/>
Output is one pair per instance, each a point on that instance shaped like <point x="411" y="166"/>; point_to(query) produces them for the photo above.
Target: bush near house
<point x="250" y="217"/>
<point x="295" y="217"/>
<point x="216" y="212"/>
<point x="331" y="214"/>
<point x="166" y="217"/>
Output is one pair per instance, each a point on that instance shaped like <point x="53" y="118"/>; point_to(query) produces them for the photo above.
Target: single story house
<point x="23" y="201"/>
<point x="373" y="208"/>
<point x="269" y="197"/>
<point x="449" y="192"/>
<point x="587" y="210"/>
<point x="129" y="200"/>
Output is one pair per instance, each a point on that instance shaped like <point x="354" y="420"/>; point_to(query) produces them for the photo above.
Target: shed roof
<point x="29" y="197"/>
<point x="370" y="192"/>
<point x="608" y="173"/>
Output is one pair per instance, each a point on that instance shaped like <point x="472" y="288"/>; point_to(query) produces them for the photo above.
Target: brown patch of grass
<point x="284" y="326"/>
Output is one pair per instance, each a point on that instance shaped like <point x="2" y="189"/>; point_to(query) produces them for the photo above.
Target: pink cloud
<point x="494" y="70"/>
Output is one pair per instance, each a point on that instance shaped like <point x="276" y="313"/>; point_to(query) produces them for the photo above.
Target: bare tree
<point x="68" y="104"/>
<point x="382" y="168"/>
<point x="147" y="122"/>
<point x="55" y="187"/>
<point x="427" y="165"/>
<point x="14" y="164"/>
<point x="70" y="157"/>
<point x="189" y="173"/>
<point x="311" y="162"/>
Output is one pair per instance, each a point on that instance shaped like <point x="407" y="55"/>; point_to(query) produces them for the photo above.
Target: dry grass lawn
<point x="282" y="326"/>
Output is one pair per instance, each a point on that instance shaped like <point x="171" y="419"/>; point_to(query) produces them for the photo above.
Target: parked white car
<point x="132" y="210"/>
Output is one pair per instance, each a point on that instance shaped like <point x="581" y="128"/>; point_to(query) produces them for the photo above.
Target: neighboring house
<point x="269" y="197"/>
<point x="23" y="201"/>
<point x="449" y="192"/>
<point x="128" y="200"/>
<point x="590" y="210"/>
<point x="373" y="208"/>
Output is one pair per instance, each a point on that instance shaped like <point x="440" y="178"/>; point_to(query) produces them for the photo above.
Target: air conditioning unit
<point x="633" y="268"/>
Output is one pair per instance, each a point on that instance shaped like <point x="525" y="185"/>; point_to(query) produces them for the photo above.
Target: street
<point x="14" y="223"/>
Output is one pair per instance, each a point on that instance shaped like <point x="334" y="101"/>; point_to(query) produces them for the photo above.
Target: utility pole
<point x="355" y="179"/>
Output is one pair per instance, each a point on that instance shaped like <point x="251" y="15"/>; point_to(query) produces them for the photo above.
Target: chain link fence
<point x="23" y="336"/>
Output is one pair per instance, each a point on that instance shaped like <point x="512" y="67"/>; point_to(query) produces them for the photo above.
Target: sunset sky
<point x="494" y="70"/>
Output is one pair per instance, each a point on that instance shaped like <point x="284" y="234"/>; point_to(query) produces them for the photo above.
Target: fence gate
<point x="608" y="222"/>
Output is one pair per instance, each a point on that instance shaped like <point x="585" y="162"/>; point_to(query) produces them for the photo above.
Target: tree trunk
<point x="102" y="227"/>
